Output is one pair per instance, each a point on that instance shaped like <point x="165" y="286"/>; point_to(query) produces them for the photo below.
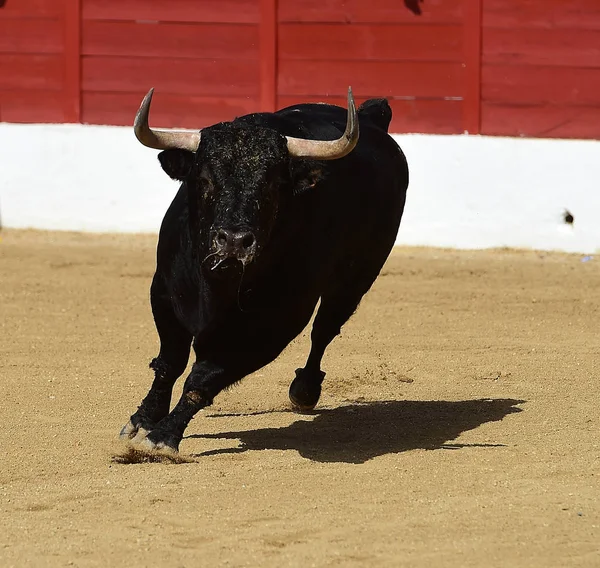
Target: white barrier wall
<point x="465" y="191"/>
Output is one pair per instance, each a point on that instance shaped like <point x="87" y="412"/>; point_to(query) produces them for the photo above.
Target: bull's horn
<point x="162" y="139"/>
<point x="328" y="149"/>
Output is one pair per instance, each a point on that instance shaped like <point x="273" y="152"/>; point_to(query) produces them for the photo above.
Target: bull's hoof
<point x="128" y="431"/>
<point x="155" y="441"/>
<point x="138" y="426"/>
<point x="132" y="432"/>
<point x="139" y="437"/>
<point x="162" y="448"/>
<point x="305" y="389"/>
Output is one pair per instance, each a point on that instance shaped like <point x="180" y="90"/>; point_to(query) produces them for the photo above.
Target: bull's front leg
<point x="204" y="382"/>
<point x="175" y="342"/>
<point x="155" y="405"/>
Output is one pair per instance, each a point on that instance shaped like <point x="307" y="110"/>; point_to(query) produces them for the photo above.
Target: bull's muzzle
<point x="240" y="245"/>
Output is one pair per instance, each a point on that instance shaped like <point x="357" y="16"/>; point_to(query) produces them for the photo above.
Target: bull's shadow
<point x="360" y="432"/>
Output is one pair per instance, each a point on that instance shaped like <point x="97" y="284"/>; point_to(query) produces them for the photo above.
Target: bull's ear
<point x="176" y="163"/>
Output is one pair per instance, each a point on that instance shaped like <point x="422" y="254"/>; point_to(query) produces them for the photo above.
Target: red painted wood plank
<point x="206" y="41"/>
<point x="72" y="60"/>
<point x="382" y="11"/>
<point x="440" y="42"/>
<point x="42" y="36"/>
<point x="426" y="116"/>
<point x="472" y="62"/>
<point x="19" y="9"/>
<point x="38" y="72"/>
<point x="535" y="84"/>
<point x="371" y="78"/>
<point x="548" y="121"/>
<point x="556" y="46"/>
<point x="268" y="54"/>
<point x="168" y="111"/>
<point x="215" y="77"/>
<point x="227" y="11"/>
<point x="31" y="106"/>
<point x="578" y="14"/>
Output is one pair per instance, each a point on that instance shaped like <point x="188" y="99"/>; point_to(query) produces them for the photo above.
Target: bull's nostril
<point x="221" y="238"/>
<point x="226" y="242"/>
<point x="248" y="241"/>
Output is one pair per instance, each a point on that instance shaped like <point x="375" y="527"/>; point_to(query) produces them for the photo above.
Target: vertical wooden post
<point x="268" y="55"/>
<point x="472" y="34"/>
<point x="72" y="58"/>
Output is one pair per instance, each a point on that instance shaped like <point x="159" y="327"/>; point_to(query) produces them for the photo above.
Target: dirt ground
<point x="459" y="424"/>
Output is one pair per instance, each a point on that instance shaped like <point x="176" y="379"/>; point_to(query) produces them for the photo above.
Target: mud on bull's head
<point x="232" y="171"/>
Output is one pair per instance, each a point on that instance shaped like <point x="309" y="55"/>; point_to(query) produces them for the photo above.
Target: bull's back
<point x="354" y="212"/>
<point x="377" y="163"/>
<point x="369" y="185"/>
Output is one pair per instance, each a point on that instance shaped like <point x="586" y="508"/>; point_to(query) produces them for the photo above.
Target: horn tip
<point x="141" y="116"/>
<point x="350" y="97"/>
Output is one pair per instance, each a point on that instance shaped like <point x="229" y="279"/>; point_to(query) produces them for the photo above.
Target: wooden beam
<point x="268" y="55"/>
<point x="72" y="58"/>
<point x="472" y="59"/>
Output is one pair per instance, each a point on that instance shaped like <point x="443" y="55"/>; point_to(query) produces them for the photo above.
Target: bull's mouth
<point x="221" y="264"/>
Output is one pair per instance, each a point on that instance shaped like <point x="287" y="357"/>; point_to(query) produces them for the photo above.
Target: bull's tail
<point x="378" y="111"/>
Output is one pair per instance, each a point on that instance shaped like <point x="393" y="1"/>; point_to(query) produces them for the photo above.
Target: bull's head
<point x="233" y="172"/>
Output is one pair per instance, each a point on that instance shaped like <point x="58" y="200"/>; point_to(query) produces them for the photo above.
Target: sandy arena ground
<point x="459" y="425"/>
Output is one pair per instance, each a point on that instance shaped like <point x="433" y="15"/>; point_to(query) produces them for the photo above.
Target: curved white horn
<point x="162" y="139"/>
<point x="328" y="149"/>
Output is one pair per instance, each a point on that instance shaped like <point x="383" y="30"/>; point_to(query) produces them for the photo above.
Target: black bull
<point x="269" y="219"/>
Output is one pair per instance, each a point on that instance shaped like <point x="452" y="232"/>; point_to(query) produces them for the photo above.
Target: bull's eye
<point x="206" y="187"/>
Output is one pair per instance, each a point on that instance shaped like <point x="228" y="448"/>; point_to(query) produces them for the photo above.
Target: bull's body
<point x="329" y="239"/>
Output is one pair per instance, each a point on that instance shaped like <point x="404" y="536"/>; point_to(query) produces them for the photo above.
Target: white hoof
<point x="139" y="437"/>
<point x="128" y="431"/>
<point x="147" y="445"/>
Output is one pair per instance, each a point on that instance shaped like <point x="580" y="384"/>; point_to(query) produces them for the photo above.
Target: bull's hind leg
<point x="175" y="342"/>
<point x="337" y="306"/>
<point x="333" y="312"/>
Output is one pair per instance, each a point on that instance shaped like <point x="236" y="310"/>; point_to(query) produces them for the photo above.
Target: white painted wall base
<point x="465" y="191"/>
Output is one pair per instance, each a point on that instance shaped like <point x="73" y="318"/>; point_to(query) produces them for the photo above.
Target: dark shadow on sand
<point x="360" y="432"/>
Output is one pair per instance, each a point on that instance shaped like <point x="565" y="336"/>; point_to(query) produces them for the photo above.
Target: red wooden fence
<point x="32" y="61"/>
<point x="382" y="50"/>
<point x="506" y="67"/>
<point x="541" y="68"/>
